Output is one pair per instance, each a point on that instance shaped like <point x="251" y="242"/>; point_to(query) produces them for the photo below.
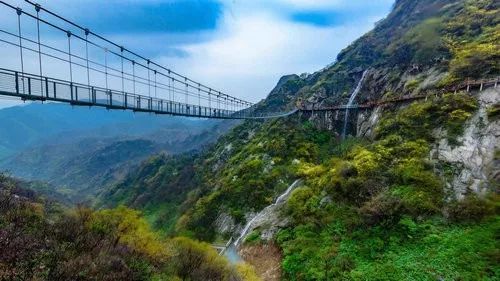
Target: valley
<point x="403" y="189"/>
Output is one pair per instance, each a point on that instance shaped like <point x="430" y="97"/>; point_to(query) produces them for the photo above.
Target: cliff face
<point x="469" y="163"/>
<point x="473" y="164"/>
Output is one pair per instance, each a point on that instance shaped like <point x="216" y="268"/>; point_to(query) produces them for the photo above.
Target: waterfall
<point x="350" y="102"/>
<point x="278" y="200"/>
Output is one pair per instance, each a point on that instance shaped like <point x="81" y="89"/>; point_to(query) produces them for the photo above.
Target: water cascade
<point x="351" y="101"/>
<point x="265" y="211"/>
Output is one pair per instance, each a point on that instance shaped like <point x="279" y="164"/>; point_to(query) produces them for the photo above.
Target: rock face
<point x="367" y="121"/>
<point x="473" y="161"/>
<point x="269" y="220"/>
<point x="225" y="223"/>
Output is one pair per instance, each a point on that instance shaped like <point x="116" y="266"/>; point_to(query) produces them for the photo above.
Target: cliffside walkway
<point x="468" y="86"/>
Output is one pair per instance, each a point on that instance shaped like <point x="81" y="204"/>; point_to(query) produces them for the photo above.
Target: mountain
<point x="410" y="195"/>
<point x="38" y="124"/>
<point x="79" y="151"/>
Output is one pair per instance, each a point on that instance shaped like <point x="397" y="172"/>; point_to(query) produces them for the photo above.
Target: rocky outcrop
<point x="269" y="220"/>
<point x="225" y="223"/>
<point x="474" y="168"/>
<point x="367" y="121"/>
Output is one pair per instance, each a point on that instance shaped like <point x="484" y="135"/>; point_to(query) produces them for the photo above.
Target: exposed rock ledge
<point x="473" y="159"/>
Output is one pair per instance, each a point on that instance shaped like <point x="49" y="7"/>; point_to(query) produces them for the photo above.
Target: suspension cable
<point x="37" y="8"/>
<point x="210" y="101"/>
<point x="123" y="82"/>
<point x="87" y="55"/>
<point x="69" y="57"/>
<point x="149" y="81"/>
<point x="172" y="89"/>
<point x="133" y="75"/>
<point x="186" y="95"/>
<point x="106" y="67"/>
<point x="114" y="44"/>
<point x="155" y="83"/>
<point x="19" y="13"/>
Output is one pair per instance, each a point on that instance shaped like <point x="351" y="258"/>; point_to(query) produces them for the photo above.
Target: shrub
<point x="494" y="112"/>
<point x="412" y="85"/>
<point x="383" y="207"/>
<point x="253" y="237"/>
<point x="476" y="60"/>
<point x="470" y="209"/>
<point x="302" y="204"/>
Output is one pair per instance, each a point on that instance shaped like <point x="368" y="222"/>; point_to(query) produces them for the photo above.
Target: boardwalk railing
<point x="468" y="86"/>
<point x="35" y="87"/>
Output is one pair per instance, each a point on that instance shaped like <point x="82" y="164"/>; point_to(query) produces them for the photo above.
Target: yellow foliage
<point x="366" y="161"/>
<point x="247" y="272"/>
<point x="309" y="170"/>
<point x="131" y="229"/>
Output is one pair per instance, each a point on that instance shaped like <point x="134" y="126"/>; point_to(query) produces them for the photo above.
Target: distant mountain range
<point x="79" y="148"/>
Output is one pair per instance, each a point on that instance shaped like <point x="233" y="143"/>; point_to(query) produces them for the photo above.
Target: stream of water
<point x="259" y="215"/>
<point x="350" y="102"/>
<point x="231" y="251"/>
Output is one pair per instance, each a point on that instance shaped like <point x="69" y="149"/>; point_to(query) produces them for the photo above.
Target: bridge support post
<point x="46" y="87"/>
<point x="71" y="89"/>
<point x="55" y="89"/>
<point x="17" y="82"/>
<point x="29" y="86"/>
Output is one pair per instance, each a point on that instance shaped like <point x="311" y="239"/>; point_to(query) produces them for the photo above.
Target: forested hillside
<point x="40" y="241"/>
<point x="79" y="151"/>
<point x="411" y="193"/>
<point x="399" y="199"/>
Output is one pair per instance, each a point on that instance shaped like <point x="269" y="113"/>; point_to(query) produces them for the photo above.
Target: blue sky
<point x="241" y="47"/>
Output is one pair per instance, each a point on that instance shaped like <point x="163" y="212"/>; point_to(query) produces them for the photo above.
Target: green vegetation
<point x="494" y="112"/>
<point x="383" y="217"/>
<point x="418" y="120"/>
<point x="41" y="242"/>
<point x="257" y="170"/>
<point x="158" y="187"/>
<point x="473" y="37"/>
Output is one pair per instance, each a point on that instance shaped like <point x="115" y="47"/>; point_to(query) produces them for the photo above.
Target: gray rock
<point x="473" y="159"/>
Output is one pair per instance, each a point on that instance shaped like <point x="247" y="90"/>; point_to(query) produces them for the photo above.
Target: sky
<point x="240" y="47"/>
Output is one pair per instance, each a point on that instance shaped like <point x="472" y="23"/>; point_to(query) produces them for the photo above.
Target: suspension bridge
<point x="48" y="57"/>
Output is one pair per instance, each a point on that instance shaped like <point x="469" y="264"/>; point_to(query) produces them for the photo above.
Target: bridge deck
<point x="34" y="87"/>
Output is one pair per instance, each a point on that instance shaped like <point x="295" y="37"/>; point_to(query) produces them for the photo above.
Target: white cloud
<point x="330" y="4"/>
<point x="252" y="51"/>
<point x="314" y="4"/>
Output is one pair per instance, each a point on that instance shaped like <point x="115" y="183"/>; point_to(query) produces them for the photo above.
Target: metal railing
<point x="33" y="87"/>
<point x="39" y="88"/>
